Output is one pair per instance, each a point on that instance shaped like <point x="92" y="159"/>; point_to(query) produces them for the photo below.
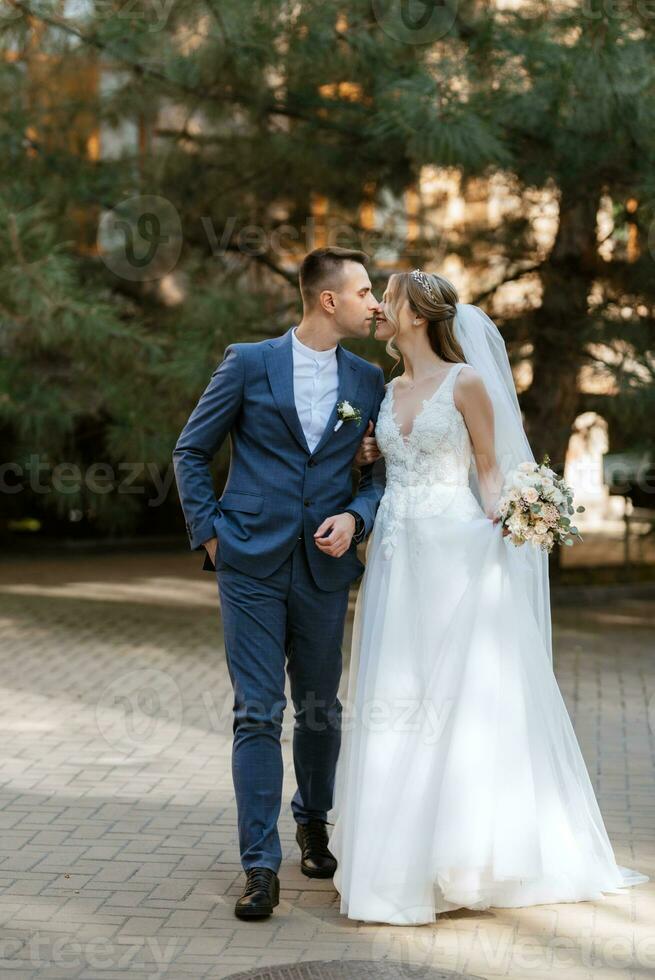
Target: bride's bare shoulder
<point x="468" y="377"/>
<point x="469" y="387"/>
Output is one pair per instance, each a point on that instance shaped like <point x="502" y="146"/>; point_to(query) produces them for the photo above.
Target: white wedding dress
<point x="460" y="781"/>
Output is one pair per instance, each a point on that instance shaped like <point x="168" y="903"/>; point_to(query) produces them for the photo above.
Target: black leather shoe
<point x="260" y="896"/>
<point x="316" y="860"/>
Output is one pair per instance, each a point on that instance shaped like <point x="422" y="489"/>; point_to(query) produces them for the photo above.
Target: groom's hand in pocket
<point x="334" y="535"/>
<point x="210" y="546"/>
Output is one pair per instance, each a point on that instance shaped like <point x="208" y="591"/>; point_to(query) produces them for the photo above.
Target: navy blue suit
<point x="283" y="601"/>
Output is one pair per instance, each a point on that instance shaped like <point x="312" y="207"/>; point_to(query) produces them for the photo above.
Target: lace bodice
<point x="428" y="470"/>
<point x="437" y="450"/>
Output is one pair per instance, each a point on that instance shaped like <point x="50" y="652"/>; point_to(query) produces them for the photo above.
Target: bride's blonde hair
<point x="431" y="296"/>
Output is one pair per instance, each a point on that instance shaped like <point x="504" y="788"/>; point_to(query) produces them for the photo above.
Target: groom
<point x="282" y="540"/>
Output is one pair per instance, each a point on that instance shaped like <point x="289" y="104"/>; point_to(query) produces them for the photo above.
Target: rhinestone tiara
<point x="425" y="282"/>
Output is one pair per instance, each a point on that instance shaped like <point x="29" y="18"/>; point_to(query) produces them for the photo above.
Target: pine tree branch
<point x="12" y="315"/>
<point x="53" y="306"/>
<point x="267" y="262"/>
<point x="140" y="68"/>
<point x="264" y="260"/>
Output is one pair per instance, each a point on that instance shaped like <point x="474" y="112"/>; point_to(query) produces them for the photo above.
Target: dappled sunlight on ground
<point x="117" y="809"/>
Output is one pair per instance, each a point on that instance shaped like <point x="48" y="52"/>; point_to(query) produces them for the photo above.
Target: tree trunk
<point x="561" y="328"/>
<point x="561" y="331"/>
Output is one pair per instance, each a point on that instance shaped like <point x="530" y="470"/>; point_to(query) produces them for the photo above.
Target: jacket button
<point x="307" y="503"/>
<point x="311" y="462"/>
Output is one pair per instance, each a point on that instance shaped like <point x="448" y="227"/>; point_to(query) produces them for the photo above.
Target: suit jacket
<point x="277" y="489"/>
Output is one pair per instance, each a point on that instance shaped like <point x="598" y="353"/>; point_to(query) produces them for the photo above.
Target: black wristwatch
<point x="360" y="526"/>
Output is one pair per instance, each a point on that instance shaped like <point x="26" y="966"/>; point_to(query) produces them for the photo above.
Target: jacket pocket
<point x="250" y="503"/>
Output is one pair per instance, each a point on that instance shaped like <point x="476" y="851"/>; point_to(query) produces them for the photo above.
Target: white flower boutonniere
<point x="347" y="413"/>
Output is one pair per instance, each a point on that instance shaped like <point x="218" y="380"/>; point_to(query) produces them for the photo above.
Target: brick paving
<point x="117" y="816"/>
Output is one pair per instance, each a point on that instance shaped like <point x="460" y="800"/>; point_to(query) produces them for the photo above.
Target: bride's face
<point x="384" y="328"/>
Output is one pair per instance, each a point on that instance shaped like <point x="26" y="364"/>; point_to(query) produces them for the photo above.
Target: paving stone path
<point x="117" y="817"/>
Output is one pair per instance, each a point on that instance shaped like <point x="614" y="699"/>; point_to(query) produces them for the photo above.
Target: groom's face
<point x="354" y="302"/>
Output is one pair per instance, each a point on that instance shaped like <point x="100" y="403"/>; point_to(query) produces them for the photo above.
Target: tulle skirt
<point x="460" y="782"/>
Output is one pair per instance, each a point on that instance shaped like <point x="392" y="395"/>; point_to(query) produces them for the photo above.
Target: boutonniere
<point x="347" y="413"/>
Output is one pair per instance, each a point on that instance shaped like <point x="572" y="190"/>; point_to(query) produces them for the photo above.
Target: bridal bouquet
<point x="536" y="506"/>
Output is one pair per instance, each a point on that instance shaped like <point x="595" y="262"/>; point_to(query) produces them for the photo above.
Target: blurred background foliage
<point x="244" y="125"/>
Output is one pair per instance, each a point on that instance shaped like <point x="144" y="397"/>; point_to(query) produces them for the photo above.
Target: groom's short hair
<point x="322" y="269"/>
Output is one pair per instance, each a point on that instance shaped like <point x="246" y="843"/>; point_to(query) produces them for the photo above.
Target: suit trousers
<point x="283" y="621"/>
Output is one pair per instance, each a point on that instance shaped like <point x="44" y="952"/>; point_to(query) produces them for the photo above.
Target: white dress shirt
<point x="315" y="387"/>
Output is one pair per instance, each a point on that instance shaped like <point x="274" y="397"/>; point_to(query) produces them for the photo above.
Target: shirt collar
<point x="317" y="355"/>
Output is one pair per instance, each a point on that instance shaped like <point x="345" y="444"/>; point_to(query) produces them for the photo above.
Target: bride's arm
<point x="473" y="401"/>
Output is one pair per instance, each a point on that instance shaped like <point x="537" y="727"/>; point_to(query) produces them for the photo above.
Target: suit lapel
<point x="349" y="378"/>
<point x="279" y="367"/>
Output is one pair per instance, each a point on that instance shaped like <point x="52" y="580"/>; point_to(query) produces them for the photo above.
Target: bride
<point x="460" y="781"/>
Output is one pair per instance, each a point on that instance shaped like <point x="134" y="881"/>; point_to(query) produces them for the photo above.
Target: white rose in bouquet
<point x="536" y="507"/>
